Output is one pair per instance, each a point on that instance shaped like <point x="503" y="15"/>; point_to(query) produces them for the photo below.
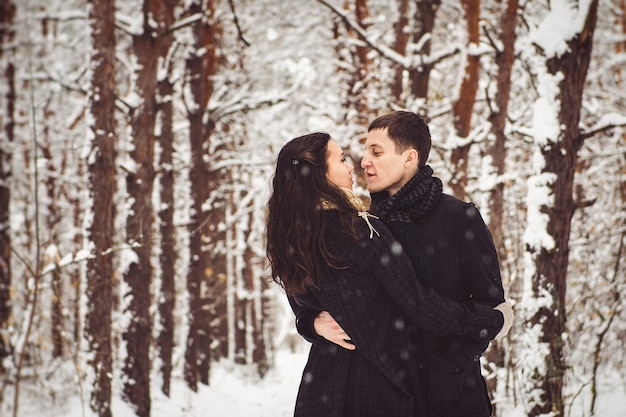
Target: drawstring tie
<point x="357" y="203"/>
<point x="365" y="216"/>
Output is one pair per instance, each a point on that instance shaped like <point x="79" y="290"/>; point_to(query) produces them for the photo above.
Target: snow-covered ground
<point x="236" y="391"/>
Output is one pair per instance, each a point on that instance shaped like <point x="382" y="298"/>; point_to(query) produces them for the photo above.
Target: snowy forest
<point x="138" y="142"/>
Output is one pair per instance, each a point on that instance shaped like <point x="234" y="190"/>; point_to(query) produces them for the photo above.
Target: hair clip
<point x="295" y="162"/>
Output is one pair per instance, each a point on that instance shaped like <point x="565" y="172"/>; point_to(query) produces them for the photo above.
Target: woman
<point x="328" y="253"/>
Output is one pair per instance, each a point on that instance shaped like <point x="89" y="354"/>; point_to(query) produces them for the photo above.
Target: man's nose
<point x="365" y="162"/>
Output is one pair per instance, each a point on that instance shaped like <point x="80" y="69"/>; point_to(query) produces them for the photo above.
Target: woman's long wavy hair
<point x="295" y="247"/>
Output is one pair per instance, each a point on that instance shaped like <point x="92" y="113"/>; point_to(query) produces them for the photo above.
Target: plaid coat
<point x="375" y="297"/>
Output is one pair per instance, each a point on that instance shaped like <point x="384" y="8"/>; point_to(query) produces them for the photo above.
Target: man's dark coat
<point x="464" y="266"/>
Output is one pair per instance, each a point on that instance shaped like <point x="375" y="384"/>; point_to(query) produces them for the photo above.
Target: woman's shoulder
<point x="373" y="245"/>
<point x="370" y="231"/>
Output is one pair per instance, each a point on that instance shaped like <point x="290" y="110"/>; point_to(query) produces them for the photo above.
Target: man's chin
<point x="373" y="188"/>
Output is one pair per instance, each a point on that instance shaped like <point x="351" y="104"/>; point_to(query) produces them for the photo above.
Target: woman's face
<point x="339" y="170"/>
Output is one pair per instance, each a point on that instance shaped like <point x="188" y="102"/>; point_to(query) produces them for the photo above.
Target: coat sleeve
<point x="305" y="317"/>
<point x="478" y="259"/>
<point x="422" y="305"/>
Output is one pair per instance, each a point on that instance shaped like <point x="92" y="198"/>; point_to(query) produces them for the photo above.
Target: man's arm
<point x="326" y="326"/>
<point x="479" y="260"/>
<point x="385" y="259"/>
<point x="482" y="322"/>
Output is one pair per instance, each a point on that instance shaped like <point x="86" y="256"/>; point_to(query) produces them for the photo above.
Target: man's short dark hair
<point x="407" y="130"/>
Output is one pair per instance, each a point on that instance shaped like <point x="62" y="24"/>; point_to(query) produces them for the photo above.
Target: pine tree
<point x="562" y="81"/>
<point x="100" y="272"/>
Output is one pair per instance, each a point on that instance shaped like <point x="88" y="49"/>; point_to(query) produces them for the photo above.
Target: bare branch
<point x="232" y="8"/>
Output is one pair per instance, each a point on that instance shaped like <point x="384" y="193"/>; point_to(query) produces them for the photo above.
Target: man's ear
<point x="412" y="157"/>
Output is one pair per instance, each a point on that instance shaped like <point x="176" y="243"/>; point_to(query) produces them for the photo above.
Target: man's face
<point x="385" y="169"/>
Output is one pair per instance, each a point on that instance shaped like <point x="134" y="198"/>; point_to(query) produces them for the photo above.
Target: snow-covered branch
<point x="607" y="122"/>
<point x="239" y="103"/>
<point x="185" y="22"/>
<point x="410" y="62"/>
<point x="381" y="49"/>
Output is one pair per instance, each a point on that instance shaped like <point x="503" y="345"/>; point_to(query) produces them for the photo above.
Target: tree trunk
<point x="358" y="74"/>
<point x="52" y="259"/>
<point x="168" y="255"/>
<point x="497" y="150"/>
<point x="57" y="310"/>
<point x="139" y="183"/>
<point x="238" y="291"/>
<point x="257" y="310"/>
<point x="75" y="274"/>
<point x="102" y="185"/>
<point x="424" y="21"/>
<point x="217" y="330"/>
<point x="550" y="261"/>
<point x="200" y="68"/>
<point x="7" y="14"/>
<point x="401" y="39"/>
<point x="73" y="301"/>
<point x="463" y="108"/>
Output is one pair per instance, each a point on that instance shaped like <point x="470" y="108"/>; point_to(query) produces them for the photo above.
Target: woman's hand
<point x="326" y="326"/>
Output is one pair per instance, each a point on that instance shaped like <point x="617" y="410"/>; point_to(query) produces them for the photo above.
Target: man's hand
<point x="507" y="311"/>
<point x="326" y="326"/>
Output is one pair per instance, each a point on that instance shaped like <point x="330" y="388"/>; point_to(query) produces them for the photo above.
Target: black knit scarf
<point x="412" y="202"/>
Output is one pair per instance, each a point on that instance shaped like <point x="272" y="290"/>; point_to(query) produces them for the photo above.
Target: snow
<point x="564" y="21"/>
<point x="233" y="393"/>
<point x="610" y="119"/>
<point x="546" y="110"/>
<point x="236" y="391"/>
<point x="539" y="195"/>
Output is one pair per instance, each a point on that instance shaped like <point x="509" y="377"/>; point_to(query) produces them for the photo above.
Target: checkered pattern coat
<point x="377" y="300"/>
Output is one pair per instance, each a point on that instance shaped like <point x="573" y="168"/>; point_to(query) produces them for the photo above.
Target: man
<point x="460" y="253"/>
